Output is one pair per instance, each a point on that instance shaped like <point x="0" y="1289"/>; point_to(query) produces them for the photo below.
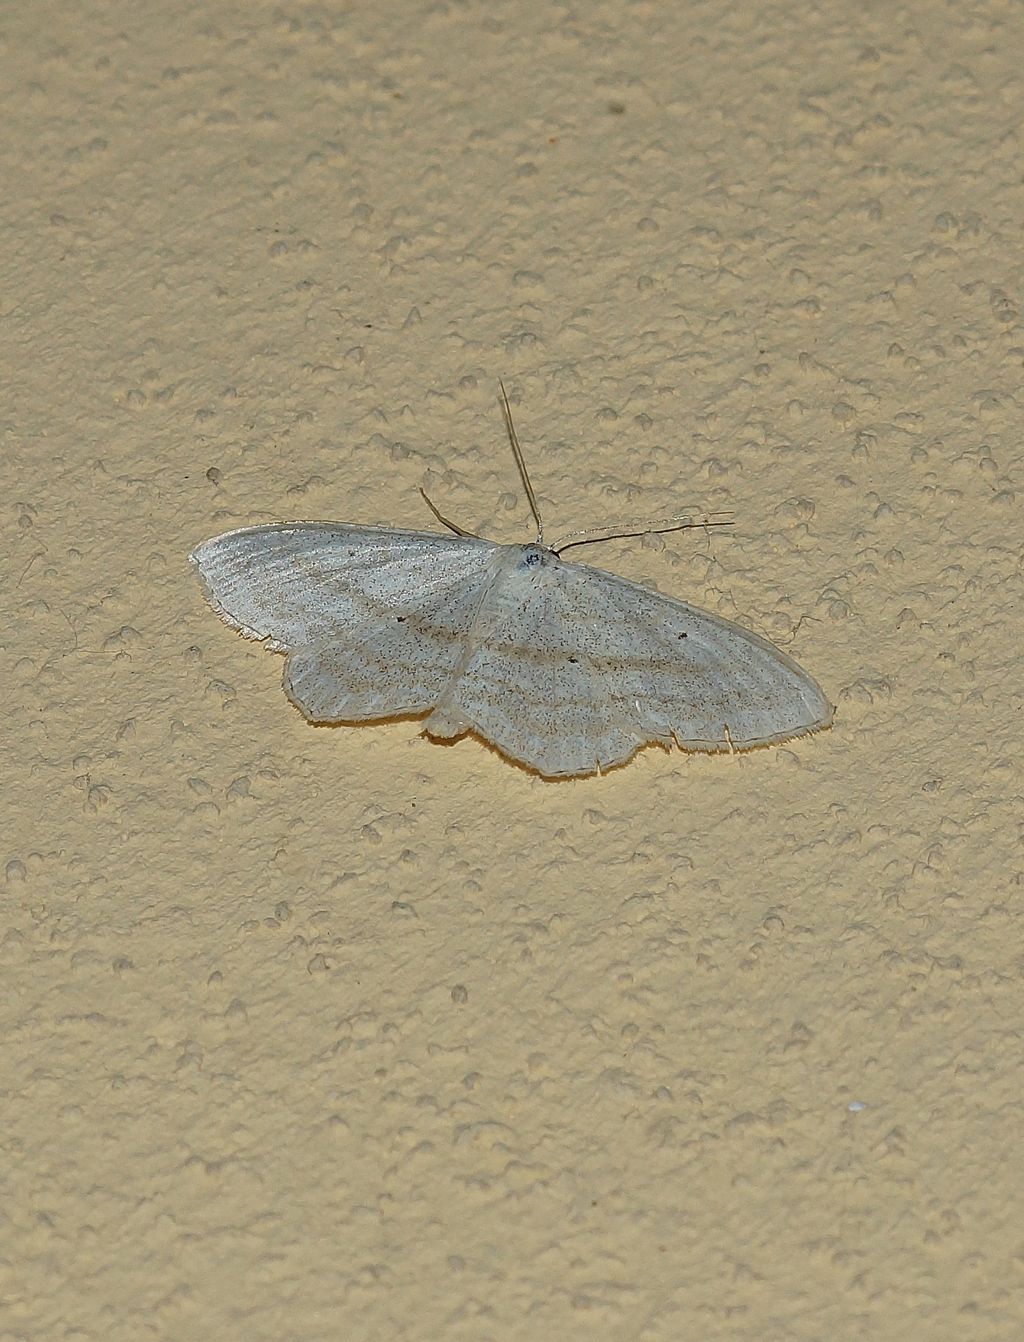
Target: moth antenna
<point x="620" y="530"/>
<point x="517" y="452"/>
<point x="708" y="524"/>
<point x="452" y="526"/>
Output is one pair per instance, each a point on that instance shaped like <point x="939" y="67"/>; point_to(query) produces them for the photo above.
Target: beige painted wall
<point x="337" y="1034"/>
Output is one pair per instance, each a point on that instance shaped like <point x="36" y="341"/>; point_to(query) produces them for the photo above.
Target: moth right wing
<point x="374" y="620"/>
<point x="590" y="667"/>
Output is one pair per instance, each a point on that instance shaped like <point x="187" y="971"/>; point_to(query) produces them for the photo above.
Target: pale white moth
<point x="566" y="669"/>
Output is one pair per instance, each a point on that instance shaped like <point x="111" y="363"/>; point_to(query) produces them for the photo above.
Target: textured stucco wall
<point x="323" y="1034"/>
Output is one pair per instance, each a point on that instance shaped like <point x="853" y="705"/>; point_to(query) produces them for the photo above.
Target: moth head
<point x="536" y="557"/>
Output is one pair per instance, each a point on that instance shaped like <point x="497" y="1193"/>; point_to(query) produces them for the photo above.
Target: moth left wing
<point x="374" y="621"/>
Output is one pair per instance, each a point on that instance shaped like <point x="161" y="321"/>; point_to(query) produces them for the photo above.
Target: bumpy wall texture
<point x="317" y="1033"/>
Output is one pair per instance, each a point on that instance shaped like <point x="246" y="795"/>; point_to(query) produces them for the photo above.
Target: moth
<point x="566" y="669"/>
